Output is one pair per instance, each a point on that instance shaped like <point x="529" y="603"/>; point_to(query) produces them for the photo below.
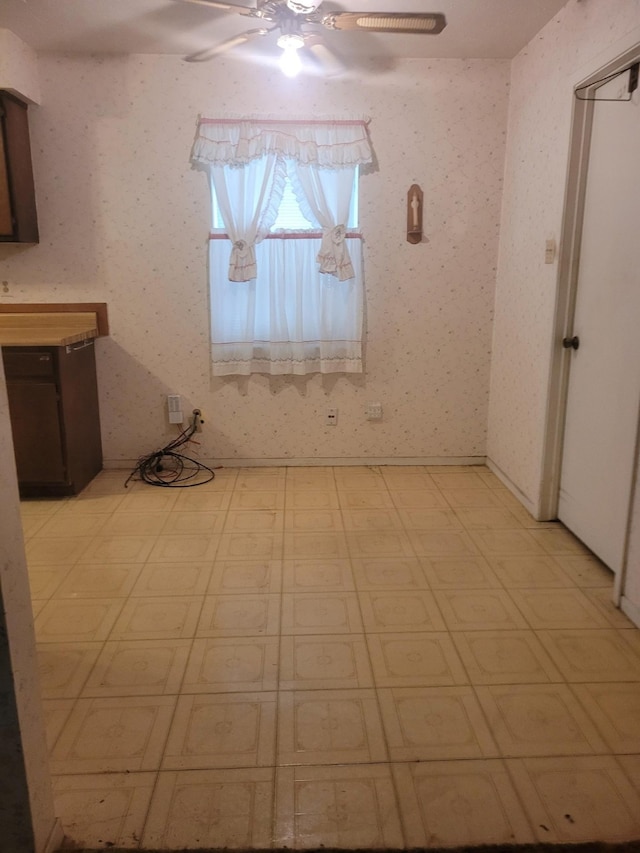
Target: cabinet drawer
<point x="23" y="363"/>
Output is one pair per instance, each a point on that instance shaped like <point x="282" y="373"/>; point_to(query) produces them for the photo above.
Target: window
<point x="285" y="260"/>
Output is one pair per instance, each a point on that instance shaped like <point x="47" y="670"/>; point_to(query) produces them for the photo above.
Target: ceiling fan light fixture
<point x="303" y="7"/>
<point x="290" y="62"/>
<point x="290" y="41"/>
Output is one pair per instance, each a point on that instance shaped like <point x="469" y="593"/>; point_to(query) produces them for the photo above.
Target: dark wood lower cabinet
<point x="55" y="420"/>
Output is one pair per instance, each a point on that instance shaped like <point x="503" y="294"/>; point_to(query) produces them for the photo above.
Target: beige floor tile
<point x="542" y="719"/>
<point x="96" y="581"/>
<point x="252" y="521"/>
<point x="397" y="478"/>
<point x="250" y="546"/>
<point x="442" y="543"/>
<point x="45" y="580"/>
<point x="114" y="735"/>
<point x="197" y="548"/>
<point x="263" y="479"/>
<point x="429" y="519"/>
<point x="529" y="572"/>
<point x="415" y="660"/>
<point x="55" y="713"/>
<point x="590" y="656"/>
<point x="459" y="803"/>
<point x="305" y="478"/>
<point x="350" y="807"/>
<point x="31" y="524"/>
<point x="78" y="620"/>
<point x="472" y="498"/>
<point x="371" y="519"/>
<point x="458" y="480"/>
<point x="459" y="573"/>
<point x="431" y="723"/>
<point x="225" y="808"/>
<point x="352" y="479"/>
<point x="385" y="543"/>
<point x="505" y="657"/>
<point x="78" y="524"/>
<point x="313" y="520"/>
<point x="490" y="480"/>
<point x="99" y="810"/>
<point x="319" y="575"/>
<point x="479" y="610"/>
<point x="55" y="551"/>
<point x="417" y="499"/>
<point x="329" y="727"/>
<point x="601" y="597"/>
<point x="171" y="579"/>
<point x="371" y="499"/>
<point x="586" y="571"/>
<point x="572" y="800"/>
<point x="139" y="668"/>
<point x="301" y="546"/>
<point x="336" y="662"/>
<point x="488" y="519"/>
<point x="615" y="708"/>
<point x="510" y="501"/>
<point x="236" y="664"/>
<point x="559" y="541"/>
<point x="222" y="730"/>
<point x="134" y="523"/>
<point x="179" y="523"/>
<point x="502" y="542"/>
<point x="312" y="499"/>
<point x="44" y="509"/>
<point x="37" y="606"/>
<point x="117" y="549"/>
<point x="199" y="500"/>
<point x="239" y="616"/>
<point x="64" y="668"/>
<point x="245" y="576"/>
<point x="158" y="618"/>
<point x="149" y="500"/>
<point x="321" y="613"/>
<point x="270" y="500"/>
<point x="91" y="504"/>
<point x="400" y="611"/>
<point x="558" y="609"/>
<point x="631" y="766"/>
<point x="390" y="573"/>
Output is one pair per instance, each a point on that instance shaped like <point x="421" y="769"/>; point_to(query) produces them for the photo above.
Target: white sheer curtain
<point x="326" y="193"/>
<point x="248" y="199"/>
<point x="301" y="308"/>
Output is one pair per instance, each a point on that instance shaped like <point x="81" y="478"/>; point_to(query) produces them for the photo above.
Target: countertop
<point x="47" y="328"/>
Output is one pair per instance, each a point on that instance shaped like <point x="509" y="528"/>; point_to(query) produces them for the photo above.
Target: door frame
<point x="566" y="291"/>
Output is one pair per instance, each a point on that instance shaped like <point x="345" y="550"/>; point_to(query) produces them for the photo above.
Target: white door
<point x="604" y="381"/>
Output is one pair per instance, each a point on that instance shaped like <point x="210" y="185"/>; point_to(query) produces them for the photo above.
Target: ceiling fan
<point x="290" y="16"/>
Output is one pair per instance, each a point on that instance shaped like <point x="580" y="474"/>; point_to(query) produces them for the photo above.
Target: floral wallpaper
<point x="124" y="219"/>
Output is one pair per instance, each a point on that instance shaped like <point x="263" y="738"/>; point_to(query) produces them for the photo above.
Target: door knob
<point x="571" y="343"/>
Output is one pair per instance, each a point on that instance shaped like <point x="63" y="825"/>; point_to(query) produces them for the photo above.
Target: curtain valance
<point x="330" y="143"/>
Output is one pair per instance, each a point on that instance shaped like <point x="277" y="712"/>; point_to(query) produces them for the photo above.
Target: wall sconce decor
<point x="414" y="214"/>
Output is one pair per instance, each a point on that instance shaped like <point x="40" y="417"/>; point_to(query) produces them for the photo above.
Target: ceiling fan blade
<point x="229" y="7"/>
<point x="386" y="22"/>
<point x="224" y="46"/>
<point x="330" y="64"/>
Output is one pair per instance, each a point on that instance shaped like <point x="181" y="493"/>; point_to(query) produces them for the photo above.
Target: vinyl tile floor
<point x="357" y="657"/>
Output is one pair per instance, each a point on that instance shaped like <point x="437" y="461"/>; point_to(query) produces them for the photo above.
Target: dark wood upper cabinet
<point x="18" y="218"/>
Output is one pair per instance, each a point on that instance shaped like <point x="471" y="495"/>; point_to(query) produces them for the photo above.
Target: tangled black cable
<point x="170" y="469"/>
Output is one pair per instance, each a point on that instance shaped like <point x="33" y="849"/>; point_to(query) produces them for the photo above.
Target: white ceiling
<point x="479" y="29"/>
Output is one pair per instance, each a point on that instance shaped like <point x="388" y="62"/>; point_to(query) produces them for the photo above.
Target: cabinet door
<point x="37" y="440"/>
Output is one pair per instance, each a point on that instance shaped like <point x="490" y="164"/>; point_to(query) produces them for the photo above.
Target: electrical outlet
<point x="198" y="420"/>
<point x="175" y="409"/>
<point x="331" y="417"/>
<point x="374" y="411"/>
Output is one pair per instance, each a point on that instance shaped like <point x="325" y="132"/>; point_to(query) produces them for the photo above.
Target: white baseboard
<point x="515" y="491"/>
<point x="124" y="464"/>
<point x="631" y="610"/>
